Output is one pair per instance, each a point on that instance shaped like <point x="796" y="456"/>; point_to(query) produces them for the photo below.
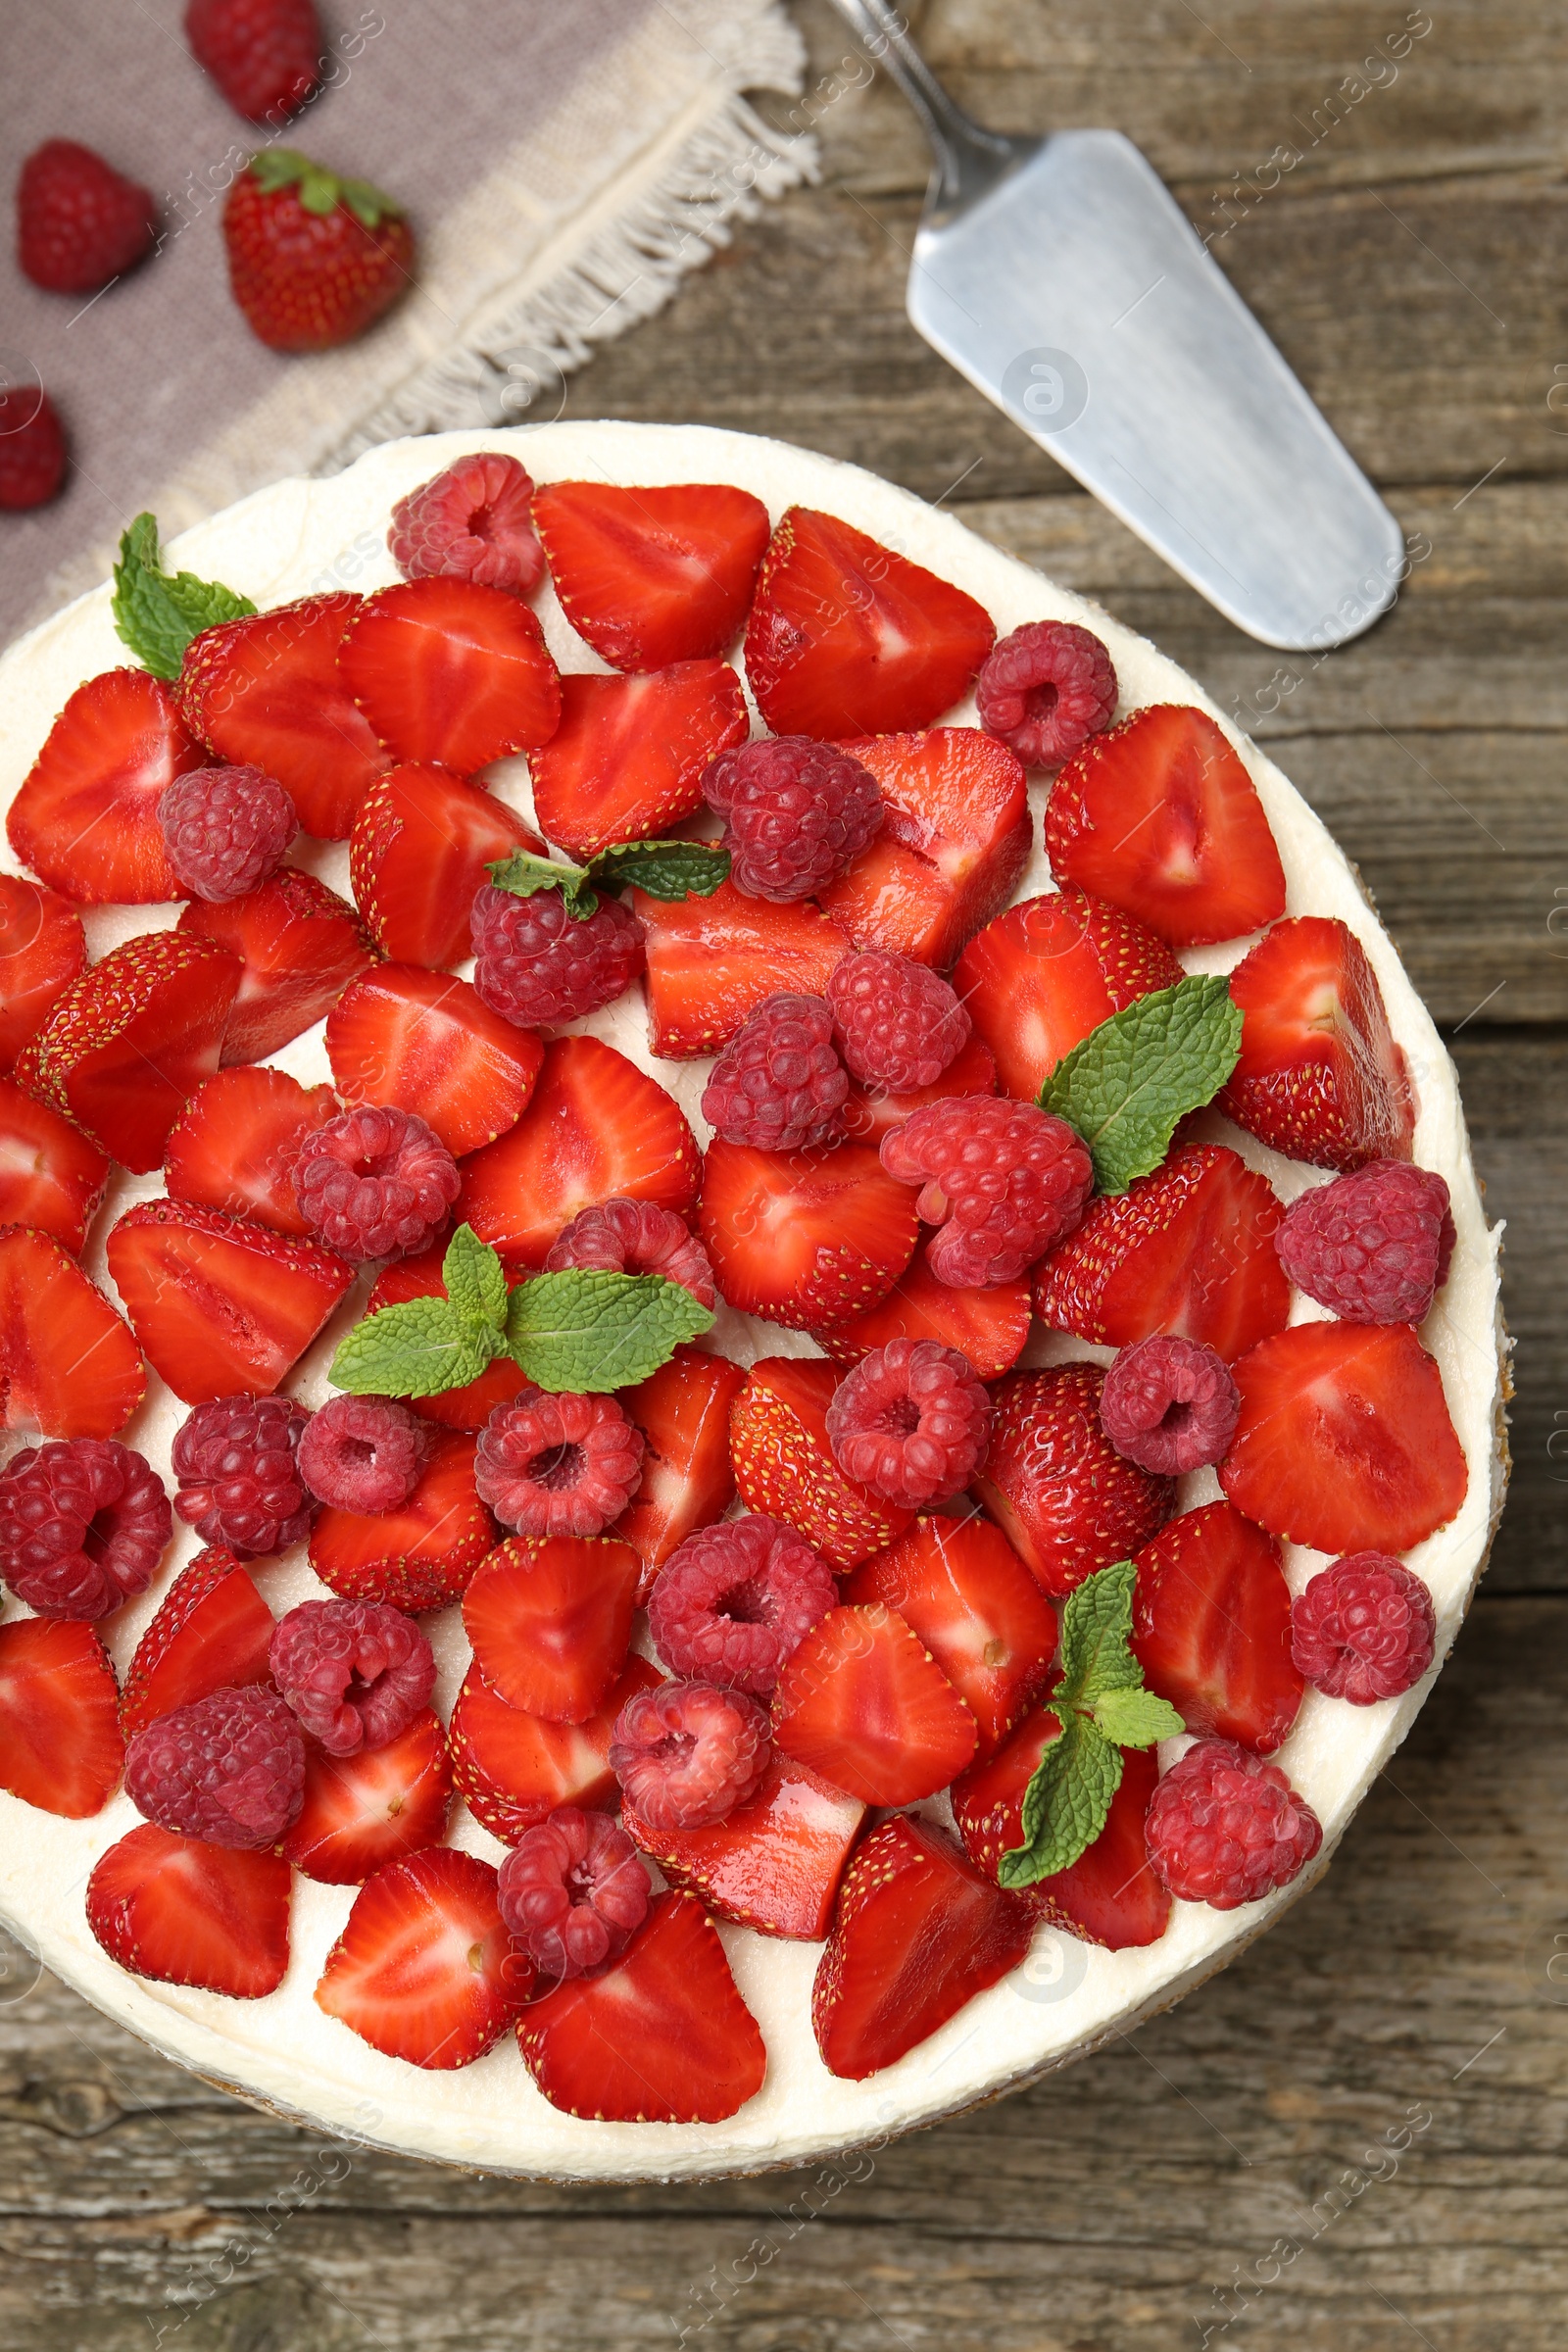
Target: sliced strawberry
<point x="864" y="1702"/>
<point x="445" y="670"/>
<point x="596" y="1128"/>
<point x="183" y="1912"/>
<point x="776" y="1864"/>
<point x="784" y="1464"/>
<point x="264" y="692"/>
<point x="871" y="1112"/>
<point x="364" y="1811"/>
<point x="222" y="1306"/>
<point x="956" y="837"/>
<point x="300" y="944"/>
<point x="467" y="1407"/>
<point x="917" y="1933"/>
<point x="962" y="1589"/>
<point x="1211" y="1627"/>
<point x="424" y="1969"/>
<point x="1067" y="1501"/>
<point x="1044" y="974"/>
<point x="548" y="1622"/>
<point x="512" y="1768"/>
<point x="1160" y="817"/>
<point x="59" y="1741"/>
<point x="988" y="1327"/>
<point x="419" y="1556"/>
<point x="425" y="1042"/>
<point x="683" y="1412"/>
<point x="1320" y="1077"/>
<point x="85" y="817"/>
<point x="69" y="1367"/>
<point x="1110" y="1895"/>
<point x="126" y="1045"/>
<point x="1345" y="1442"/>
<point x="212" y="1632"/>
<point x="847" y="638"/>
<point x="51" y="1176"/>
<point x="43" y="948"/>
<point x="627" y="759"/>
<point x="234" y="1144"/>
<point x="805" y="1237"/>
<point x="653" y="575"/>
<point x="1188" y="1252"/>
<point x="659" y="2036"/>
<point x="418" y="853"/>
<point x="712" y="962"/>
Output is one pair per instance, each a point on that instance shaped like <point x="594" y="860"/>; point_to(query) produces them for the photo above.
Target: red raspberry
<point x="778" y="1083"/>
<point x="1045" y="690"/>
<point x="264" y="55"/>
<point x="363" y="1453"/>
<point x="795" y="812"/>
<point x="559" y="1465"/>
<point x="634" y="1237"/>
<point x="375" y="1183"/>
<point x="83" y="1523"/>
<point x="230" y="1768"/>
<point x="1364" y="1629"/>
<point x="1225" y="1827"/>
<point x="226" y="829"/>
<point x="80" y="222"/>
<point x="355" y="1672"/>
<point x="32" y="448"/>
<point x="1170" y="1406"/>
<point x="735" y="1600"/>
<point x="574" y="1891"/>
<point x="1003" y="1181"/>
<point x="687" y="1754"/>
<point x="1374" y="1246"/>
<point x="912" y="1422"/>
<point x="239" y="1481"/>
<point x="896" y="1024"/>
<point x="536" y="963"/>
<point x="473" y="522"/>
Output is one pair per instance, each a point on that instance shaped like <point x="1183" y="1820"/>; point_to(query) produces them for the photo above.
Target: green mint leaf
<point x="525" y="875"/>
<point x="1135" y="1718"/>
<point x="415" y="1350"/>
<point x="475" y="1281"/>
<point x="665" y="869"/>
<point x="1096" y="1625"/>
<point x="157" y="612"/>
<point x="1066" y="1804"/>
<point x="588" y="1330"/>
<point x="1125" y="1086"/>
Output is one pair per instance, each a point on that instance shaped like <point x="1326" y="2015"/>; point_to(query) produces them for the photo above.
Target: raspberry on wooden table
<point x="264" y="55"/>
<point x="230" y="1769"/>
<point x="778" y="1084"/>
<point x="363" y="1453"/>
<point x="1045" y="690"/>
<point x="1375" y="1246"/>
<point x="32" y="450"/>
<point x="1003" y="1181"/>
<point x="912" y="1422"/>
<point x="1364" y="1629"/>
<point x="80" y="222"/>
<point x="225" y="830"/>
<point x="376" y="1183"/>
<point x="735" y="1600"/>
<point x="537" y="963"/>
<point x="473" y="522"/>
<point x="239" y="1479"/>
<point x="1225" y="1827"/>
<point x="574" y="1891"/>
<point x="559" y="1465"/>
<point x="355" y="1672"/>
<point x="687" y="1754"/>
<point x="795" y="813"/>
<point x="83" y="1523"/>
<point x="896" y="1024"/>
<point x="1170" y="1406"/>
<point x="634" y="1237"/>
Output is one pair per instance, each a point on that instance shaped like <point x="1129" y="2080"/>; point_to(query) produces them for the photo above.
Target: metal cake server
<point x="1061" y="277"/>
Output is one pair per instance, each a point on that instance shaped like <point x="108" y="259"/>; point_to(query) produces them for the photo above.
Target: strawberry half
<point x="363" y="1811"/>
<point x="212" y="1632"/>
<point x="300" y="944"/>
<point x="988" y="1327"/>
<point x="424" y="1969"/>
<point x="550" y="1622"/>
<point x="712" y="962"/>
<point x="1043" y="975"/>
<point x="1067" y="1501"/>
<point x="683" y="1412"/>
<point x="514" y="1769"/>
<point x="862" y="1701"/>
<point x="1186" y="1251"/>
<point x="847" y="638"/>
<point x="42" y="949"/>
<point x="776" y="1864"/>
<point x="805" y="1237"/>
<point x="917" y="1933"/>
<point x="69" y="1367"/>
<point x="425" y="1042"/>
<point x="956" y="837"/>
<point x="1211" y="1627"/>
<point x="1320" y="1077"/>
<point x="1345" y="1442"/>
<point x="85" y="817"/>
<point x="1110" y="1895"/>
<point x="651" y="575"/>
<point x="1160" y="817"/>
<point x="871" y="1112"/>
<point x="445" y="670"/>
<point x="59" y="1741"/>
<point x="51" y="1176"/>
<point x="234" y="1144"/>
<point x="627" y="759"/>
<point x="784" y="1465"/>
<point x="419" y="1556"/>
<point x="418" y="853"/>
<point x="659" y="2036"/>
<point x="471" y="1406"/>
<point x="222" y="1306"/>
<point x="183" y="1912"/>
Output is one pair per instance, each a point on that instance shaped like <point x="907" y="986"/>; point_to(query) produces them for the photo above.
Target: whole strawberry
<point x="80" y="222"/>
<point x="32" y="448"/>
<point x="314" y="259"/>
<point x="264" y="55"/>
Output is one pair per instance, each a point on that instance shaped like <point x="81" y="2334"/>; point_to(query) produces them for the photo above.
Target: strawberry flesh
<point x="784" y="1465"/>
<point x="870" y="1113"/>
<point x="300" y="944"/>
<point x="85" y="817"/>
<point x="647" y="575"/>
<point x="234" y="1144"/>
<point x="1110" y="1895"/>
<point x="773" y="1865"/>
<point x="683" y="1410"/>
<point x="550" y="1622"/>
<point x="425" y="1970"/>
<point x="445" y="670"/>
<point x="222" y="1306"/>
<point x="425" y="1042"/>
<point x="69" y="1366"/>
<point x="1042" y="976"/>
<point x="514" y="1769"/>
<point x="988" y="1327"/>
<point x="1211" y="1627"/>
<point x="864" y="1703"/>
<point x="52" y="1177"/>
<point x="42" y="949"/>
<point x="712" y="962"/>
<point x="419" y="1556"/>
<point x="376" y="1806"/>
<point x="1320" y="1077"/>
<point x="182" y="1912"/>
<point x="59" y="1741"/>
<point x="212" y="1632"/>
<point x="804" y="1238"/>
<point x="417" y="855"/>
<point x="626" y="761"/>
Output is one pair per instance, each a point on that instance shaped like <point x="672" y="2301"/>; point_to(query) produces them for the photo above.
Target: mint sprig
<point x="1101" y="1706"/>
<point x="1128" y="1083"/>
<point x="665" y="869"/>
<point x="157" y="612"/>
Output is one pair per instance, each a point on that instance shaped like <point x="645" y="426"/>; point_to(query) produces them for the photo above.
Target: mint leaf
<point x="1066" y="1804"/>
<point x="475" y="1281"/>
<point x="1096" y="1627"/>
<point x="525" y="875"/>
<point x="1135" y="1718"/>
<point x="588" y="1331"/>
<point x="417" y="1349"/>
<point x="1125" y="1086"/>
<point x="665" y="869"/>
<point x="156" y="613"/>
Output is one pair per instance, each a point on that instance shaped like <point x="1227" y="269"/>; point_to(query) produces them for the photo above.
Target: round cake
<point x="1064" y="1993"/>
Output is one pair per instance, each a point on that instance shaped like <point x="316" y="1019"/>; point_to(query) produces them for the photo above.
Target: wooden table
<point x="1410" y="265"/>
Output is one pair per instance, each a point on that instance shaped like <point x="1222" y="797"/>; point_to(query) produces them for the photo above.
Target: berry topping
<point x="183" y="1913"/>
<point x="912" y="1422"/>
<point x="420" y="1557"/>
<point x="1374" y="1246"/>
<point x="784" y="1465"/>
<point x="713" y="961"/>
<point x="226" y="829"/>
<point x="634" y="1237"/>
<point x="300" y="945"/>
<point x="896" y="1024"/>
<point x="51" y="1177"/>
<point x="1364" y="1629"/>
<point x="1320" y="1077"/>
<point x="239" y="1478"/>
<point x="421" y="843"/>
<point x="59" y="1739"/>
<point x="375" y="1183"/>
<point x="68" y="1364"/>
<point x="1226" y="1827"/>
<point x="234" y="1144"/>
<point x="473" y="522"/>
<point x="1045" y="689"/>
<point x="807" y="1237"/>
<point x="424" y="1969"/>
<point x="355" y="1672"/>
<point x="363" y="1453"/>
<point x="574" y="1891"/>
<point x="210" y="1632"/>
<point x="775" y="1863"/>
<point x="988" y="1327"/>
<point x="628" y="758"/>
<point x="1003" y="1181"/>
<point x="80" y="222"/>
<point x="1038" y="978"/>
<point x="221" y="1306"/>
<point x="83" y="1523"/>
<point x="1068" y="1502"/>
<point x="559" y="1465"/>
<point x="230" y="1769"/>
<point x="448" y="671"/>
<point x="536" y="962"/>
<point x="264" y="55"/>
<point x="550" y="1624"/>
<point x="376" y="1806"/>
<point x="683" y="1412"/>
<point x="42" y="944"/>
<point x="1169" y="1406"/>
<point x="655" y="574"/>
<point x="779" y="1085"/>
<point x="735" y="1600"/>
<point x="1211" y="1627"/>
<point x="795" y="812"/>
<point x="32" y="450"/>
<point x="86" y="815"/>
<point x="688" y="1753"/>
<point x="864" y="1702"/>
